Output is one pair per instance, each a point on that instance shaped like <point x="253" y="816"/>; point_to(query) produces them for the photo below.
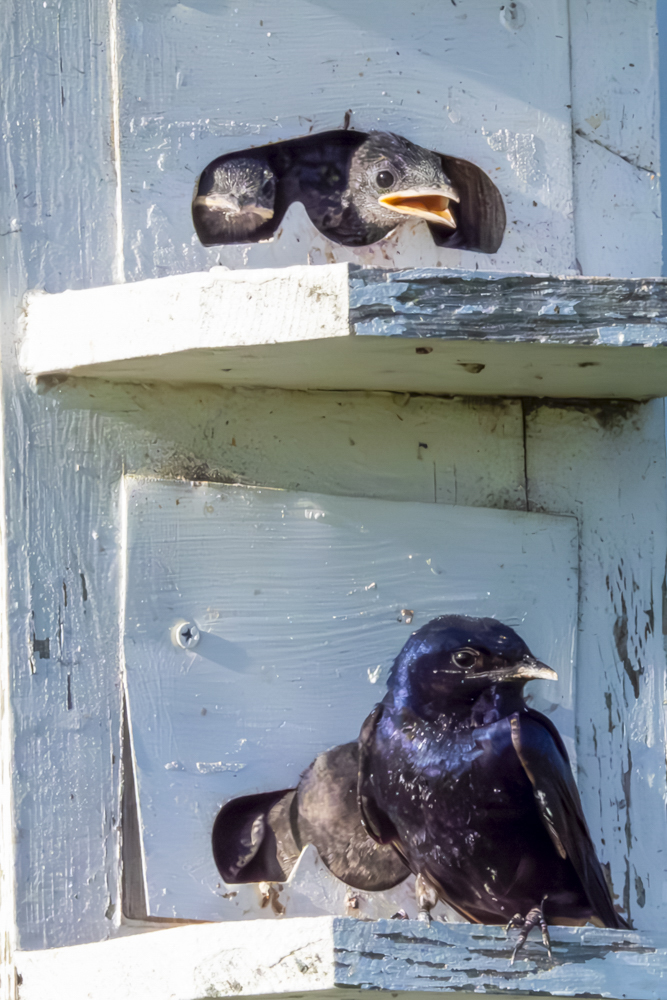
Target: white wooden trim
<point x="162" y="316"/>
<point x="329" y="327"/>
<point x="313" y="954"/>
<point x="185" y="963"/>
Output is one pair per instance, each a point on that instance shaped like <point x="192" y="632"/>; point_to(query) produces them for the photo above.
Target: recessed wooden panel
<point x="303" y="602"/>
<point x="203" y="78"/>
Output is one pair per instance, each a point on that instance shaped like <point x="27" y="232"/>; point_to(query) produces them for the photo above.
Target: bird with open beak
<point x="474" y="789"/>
<point x="390" y="178"/>
<point x="356" y="188"/>
<point x="234" y="201"/>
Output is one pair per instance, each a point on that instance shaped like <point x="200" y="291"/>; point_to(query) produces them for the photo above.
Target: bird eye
<point x="385" y="179"/>
<point x="464" y="657"/>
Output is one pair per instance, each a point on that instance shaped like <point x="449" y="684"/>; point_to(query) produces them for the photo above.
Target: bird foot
<point x="427" y="897"/>
<point x="269" y="896"/>
<point x="352" y="902"/>
<point x="532" y="919"/>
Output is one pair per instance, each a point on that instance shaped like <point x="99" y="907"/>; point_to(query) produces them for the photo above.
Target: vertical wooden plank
<point x="56" y="221"/>
<point x="606" y="464"/>
<point x="616" y="125"/>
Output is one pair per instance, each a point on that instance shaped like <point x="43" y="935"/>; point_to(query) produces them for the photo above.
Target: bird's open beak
<point x="527" y="669"/>
<point x="230" y="206"/>
<point x="424" y="203"/>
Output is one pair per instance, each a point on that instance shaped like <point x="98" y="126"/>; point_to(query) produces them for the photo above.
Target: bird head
<point x="233" y="194"/>
<point x="389" y="176"/>
<point x="455" y="657"/>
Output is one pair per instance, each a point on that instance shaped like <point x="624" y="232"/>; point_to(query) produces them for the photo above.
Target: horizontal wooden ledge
<point x="316" y="955"/>
<point x="341" y="327"/>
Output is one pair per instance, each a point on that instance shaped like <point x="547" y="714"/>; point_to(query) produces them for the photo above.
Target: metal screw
<point x="184" y="634"/>
<point x="513" y="15"/>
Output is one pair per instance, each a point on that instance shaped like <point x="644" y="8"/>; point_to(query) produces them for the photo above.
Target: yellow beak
<point x="425" y="203"/>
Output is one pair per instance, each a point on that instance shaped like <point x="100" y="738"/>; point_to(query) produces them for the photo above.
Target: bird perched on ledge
<point x="453" y="778"/>
<point x="473" y="788"/>
<point x="356" y="188"/>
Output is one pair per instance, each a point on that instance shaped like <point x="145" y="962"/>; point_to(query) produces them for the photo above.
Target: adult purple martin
<point x="356" y="188"/>
<point x="258" y="838"/>
<point x="473" y="788"/>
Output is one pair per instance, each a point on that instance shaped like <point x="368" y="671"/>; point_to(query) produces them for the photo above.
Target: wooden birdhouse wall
<point x="110" y="112"/>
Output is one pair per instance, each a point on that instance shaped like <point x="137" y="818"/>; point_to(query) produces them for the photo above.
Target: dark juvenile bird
<point x="357" y="187"/>
<point x="473" y="788"/>
<point x="384" y="178"/>
<point x="258" y="838"/>
<point x="235" y="200"/>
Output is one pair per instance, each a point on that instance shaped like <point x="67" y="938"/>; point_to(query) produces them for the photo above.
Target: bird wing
<point x="544" y="758"/>
<point x="375" y="820"/>
<point x="480" y="214"/>
<point x="328" y="817"/>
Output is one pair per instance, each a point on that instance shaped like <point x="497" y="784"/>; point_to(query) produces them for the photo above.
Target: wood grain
<point x="326" y="957"/>
<point x="299" y="598"/>
<point x="334" y="328"/>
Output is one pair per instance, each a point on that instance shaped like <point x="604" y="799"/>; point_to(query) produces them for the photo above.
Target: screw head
<point x="184" y="634"/>
<point x="513" y="15"/>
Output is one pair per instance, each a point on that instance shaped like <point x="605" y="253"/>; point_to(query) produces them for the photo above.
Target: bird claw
<point x="516" y="921"/>
<point x="427" y="897"/>
<point x="532" y="919"/>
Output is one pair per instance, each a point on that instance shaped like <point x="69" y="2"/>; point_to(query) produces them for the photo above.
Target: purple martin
<point x="473" y="788"/>
<point x="358" y="193"/>
<point x="235" y="200"/>
<point x="258" y="838"/>
<point x="356" y="188"/>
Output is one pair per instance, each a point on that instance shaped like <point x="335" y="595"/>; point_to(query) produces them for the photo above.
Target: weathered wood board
<point x="74" y="202"/>
<point x="303" y="602"/>
<point x="329" y="958"/>
<point x="337" y="327"/>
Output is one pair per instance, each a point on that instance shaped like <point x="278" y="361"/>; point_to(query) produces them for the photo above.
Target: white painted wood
<point x="295" y="328"/>
<point x="59" y="230"/>
<point x="56" y="213"/>
<point x="615" y="77"/>
<point x="608" y="467"/>
<point x="187" y="963"/>
<point x="207" y="310"/>
<point x="325" y="958"/>
<point x="615" y="120"/>
<point x="299" y="598"/>
<point x="619" y="226"/>
<point x="358" y="443"/>
<point x="201" y="80"/>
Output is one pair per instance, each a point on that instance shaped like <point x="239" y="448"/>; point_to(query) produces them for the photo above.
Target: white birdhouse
<point x="237" y="477"/>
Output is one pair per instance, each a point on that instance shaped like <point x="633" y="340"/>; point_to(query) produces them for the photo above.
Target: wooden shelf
<point x="311" y="955"/>
<point x="341" y="327"/>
